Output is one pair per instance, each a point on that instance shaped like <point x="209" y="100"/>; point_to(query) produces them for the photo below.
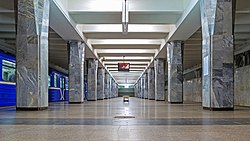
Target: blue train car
<point x="57" y="81"/>
<point x="7" y="80"/>
<point x="58" y="86"/>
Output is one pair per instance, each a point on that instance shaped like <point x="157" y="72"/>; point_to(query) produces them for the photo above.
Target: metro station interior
<point x="124" y="70"/>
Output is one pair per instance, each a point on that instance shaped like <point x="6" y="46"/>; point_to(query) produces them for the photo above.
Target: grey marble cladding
<point x="136" y="90"/>
<point x="92" y="79"/>
<point x="143" y="86"/>
<point x="175" y="71"/>
<point x="242" y="86"/>
<point x="217" y="54"/>
<point x="107" y="86"/>
<point x="76" y="71"/>
<point x="146" y="85"/>
<point x="114" y="89"/>
<point x="159" y="79"/>
<point x="151" y="83"/>
<point x="139" y="88"/>
<point x="100" y="83"/>
<point x="32" y="54"/>
<point x="192" y="90"/>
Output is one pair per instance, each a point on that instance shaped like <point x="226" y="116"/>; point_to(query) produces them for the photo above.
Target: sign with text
<point x="123" y="66"/>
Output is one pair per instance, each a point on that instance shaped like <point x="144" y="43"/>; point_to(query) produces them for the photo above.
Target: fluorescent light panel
<point x="127" y="58"/>
<point x="126" y="41"/>
<point x="90" y="28"/>
<point x="135" y="71"/>
<point x="126" y="51"/>
<point x="129" y="69"/>
<point x="131" y="62"/>
<point x="131" y="66"/>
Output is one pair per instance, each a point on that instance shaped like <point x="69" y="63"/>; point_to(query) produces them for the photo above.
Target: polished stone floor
<point x="113" y="120"/>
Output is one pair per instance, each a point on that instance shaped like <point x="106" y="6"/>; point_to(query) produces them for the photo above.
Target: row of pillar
<point x="100" y="84"/>
<point x="217" y="62"/>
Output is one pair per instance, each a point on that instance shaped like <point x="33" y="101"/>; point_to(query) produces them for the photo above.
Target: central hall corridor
<point x="112" y="119"/>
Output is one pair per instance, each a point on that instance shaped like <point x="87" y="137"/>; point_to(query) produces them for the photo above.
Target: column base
<point x="75" y="102"/>
<point x="159" y="100"/>
<point x="176" y="102"/>
<point x="218" y="109"/>
<point x="100" y="99"/>
<point x="31" y="108"/>
<point x="92" y="100"/>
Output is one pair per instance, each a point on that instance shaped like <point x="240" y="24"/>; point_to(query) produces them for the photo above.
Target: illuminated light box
<point x="123" y="66"/>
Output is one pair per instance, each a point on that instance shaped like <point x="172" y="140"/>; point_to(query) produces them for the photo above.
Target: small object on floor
<point x="125" y="98"/>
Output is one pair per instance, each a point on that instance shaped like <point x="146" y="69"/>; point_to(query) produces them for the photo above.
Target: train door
<point x="62" y="88"/>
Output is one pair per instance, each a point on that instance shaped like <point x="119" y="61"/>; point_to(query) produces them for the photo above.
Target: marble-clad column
<point x="135" y="90"/>
<point x="142" y="86"/>
<point x="175" y="71"/>
<point x="76" y="71"/>
<point x="217" y="54"/>
<point x="100" y="83"/>
<point x="151" y="84"/>
<point x="92" y="79"/>
<point x="139" y="88"/>
<point x="106" y="86"/>
<point x="146" y="86"/>
<point x="112" y="88"/>
<point x="159" y="79"/>
<point x="32" y="54"/>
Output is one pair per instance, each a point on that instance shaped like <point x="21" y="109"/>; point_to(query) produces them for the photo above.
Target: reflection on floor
<point x="115" y="120"/>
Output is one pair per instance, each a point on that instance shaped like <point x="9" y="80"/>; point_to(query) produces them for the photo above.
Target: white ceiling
<point x="150" y="22"/>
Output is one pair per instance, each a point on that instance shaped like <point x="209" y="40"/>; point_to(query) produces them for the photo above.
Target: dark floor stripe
<point x="118" y="122"/>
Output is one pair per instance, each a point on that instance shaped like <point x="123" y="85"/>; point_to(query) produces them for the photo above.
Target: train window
<point x="66" y="83"/>
<point x="8" y="71"/>
<point x="61" y="82"/>
<point x="49" y="80"/>
<point x="55" y="80"/>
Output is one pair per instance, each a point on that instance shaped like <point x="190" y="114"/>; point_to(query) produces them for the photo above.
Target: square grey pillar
<point x="100" y="83"/>
<point x="217" y="54"/>
<point x="142" y="87"/>
<point x="76" y="71"/>
<point x="175" y="71"/>
<point x="107" y="85"/>
<point x="146" y="86"/>
<point x="151" y="84"/>
<point x="112" y="88"/>
<point x="135" y="90"/>
<point x="32" y="55"/>
<point x="159" y="79"/>
<point x="139" y="88"/>
<point x="92" y="79"/>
